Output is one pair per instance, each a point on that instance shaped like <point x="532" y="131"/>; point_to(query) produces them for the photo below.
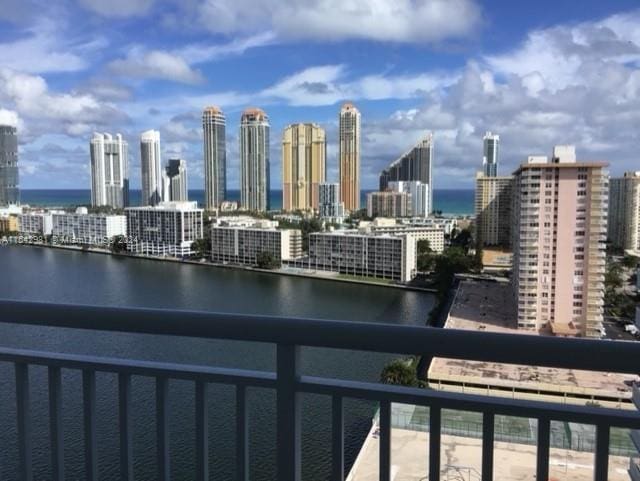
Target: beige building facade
<point x="303" y="166"/>
<point x="349" y="156"/>
<point x="559" y="241"/>
<point x="493" y="202"/>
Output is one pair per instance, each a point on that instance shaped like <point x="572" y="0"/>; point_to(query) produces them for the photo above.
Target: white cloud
<point x="417" y="21"/>
<point x="117" y="8"/>
<point x="9" y="117"/>
<point x="40" y="49"/>
<point x="155" y="64"/>
<point x="576" y="84"/>
<point x="199" y="53"/>
<point x="49" y="112"/>
<point x="328" y="84"/>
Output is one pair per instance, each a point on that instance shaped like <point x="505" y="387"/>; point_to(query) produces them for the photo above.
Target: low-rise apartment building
<point x="86" y="228"/>
<point x="9" y="223"/>
<point x="435" y="235"/>
<point x="35" y="223"/>
<point x="166" y="229"/>
<point x="351" y="252"/>
<point x="241" y="240"/>
<point x="389" y="204"/>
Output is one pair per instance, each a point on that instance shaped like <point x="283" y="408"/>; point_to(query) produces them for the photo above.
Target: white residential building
<point x="350" y="252"/>
<point x="151" y="168"/>
<point x="109" y="171"/>
<point x="86" y="228"/>
<point x="240" y="240"/>
<point x="491" y="143"/>
<point x="447" y="224"/>
<point x="167" y="229"/>
<point x="435" y="235"/>
<point x="35" y="223"/>
<point x="330" y="207"/>
<point x="175" y="181"/>
<point x="420" y="196"/>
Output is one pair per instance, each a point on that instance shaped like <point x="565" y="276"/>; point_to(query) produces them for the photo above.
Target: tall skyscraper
<point x="303" y="166"/>
<point x="493" y="202"/>
<point x="109" y="171"/>
<point x="215" y="157"/>
<point x="490" y="156"/>
<point x="151" y="168"/>
<point x="9" y="176"/>
<point x="349" y="157"/>
<point x="175" y="181"/>
<point x="416" y="164"/>
<point x="624" y="212"/>
<point x="254" y="160"/>
<point x="560" y="222"/>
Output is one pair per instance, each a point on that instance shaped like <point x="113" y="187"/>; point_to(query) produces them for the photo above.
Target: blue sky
<point x="537" y="73"/>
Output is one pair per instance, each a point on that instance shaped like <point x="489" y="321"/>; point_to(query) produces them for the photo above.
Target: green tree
<point x="118" y="244"/>
<point x="266" y="260"/>
<point x="401" y="372"/>
<point x="202" y="248"/>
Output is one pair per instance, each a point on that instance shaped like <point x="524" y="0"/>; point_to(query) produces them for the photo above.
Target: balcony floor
<point x="512" y="462"/>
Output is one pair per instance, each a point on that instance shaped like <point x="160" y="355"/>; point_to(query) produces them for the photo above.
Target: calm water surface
<point x="38" y="274"/>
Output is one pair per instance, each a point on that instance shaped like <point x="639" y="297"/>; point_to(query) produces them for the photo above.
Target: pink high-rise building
<point x="560" y="220"/>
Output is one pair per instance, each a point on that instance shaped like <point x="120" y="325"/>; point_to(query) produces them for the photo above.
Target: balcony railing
<point x="289" y="335"/>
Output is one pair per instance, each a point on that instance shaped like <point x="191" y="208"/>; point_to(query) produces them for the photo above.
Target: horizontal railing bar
<point x="358" y="336"/>
<point x="190" y="372"/>
<point x="625" y="418"/>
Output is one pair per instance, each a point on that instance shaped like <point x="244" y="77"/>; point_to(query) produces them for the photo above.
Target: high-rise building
<point x="494" y="198"/>
<point x="175" y="181"/>
<point x="151" y="168"/>
<point x="624" y="212"/>
<point x="169" y="228"/>
<point x="303" y="166"/>
<point x="559" y="241"/>
<point x="389" y="204"/>
<point x="215" y="157"/>
<point x="254" y="160"/>
<point x="490" y="155"/>
<point x="330" y="207"/>
<point x="9" y="176"/>
<point x="109" y="171"/>
<point x="420" y="197"/>
<point x="416" y="164"/>
<point x="349" y="156"/>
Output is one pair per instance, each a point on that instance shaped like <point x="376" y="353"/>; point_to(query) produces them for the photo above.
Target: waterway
<point x="51" y="275"/>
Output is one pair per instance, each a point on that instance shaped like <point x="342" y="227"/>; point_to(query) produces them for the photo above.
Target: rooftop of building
<point x="212" y="109"/>
<point x="490" y="306"/>
<point x="170" y="206"/>
<point x="254" y="112"/>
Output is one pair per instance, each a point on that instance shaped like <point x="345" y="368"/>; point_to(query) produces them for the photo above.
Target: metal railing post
<point x="288" y="413"/>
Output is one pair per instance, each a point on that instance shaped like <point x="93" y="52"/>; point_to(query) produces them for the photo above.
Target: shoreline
<point x="93" y="250"/>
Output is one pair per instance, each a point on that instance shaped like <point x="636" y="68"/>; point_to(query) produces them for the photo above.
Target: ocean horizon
<point x="449" y="201"/>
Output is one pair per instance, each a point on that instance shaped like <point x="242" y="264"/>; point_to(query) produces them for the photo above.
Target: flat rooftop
<point x="490" y="307"/>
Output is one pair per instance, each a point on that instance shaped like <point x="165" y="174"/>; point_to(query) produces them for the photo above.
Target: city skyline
<point x="458" y="82"/>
